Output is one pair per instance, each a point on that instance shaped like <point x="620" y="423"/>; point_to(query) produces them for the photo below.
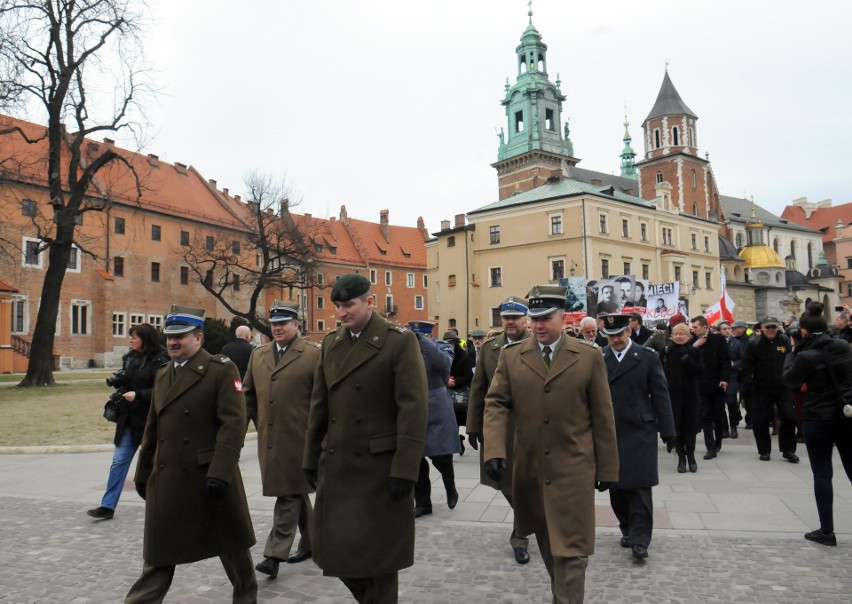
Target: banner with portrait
<point x="662" y="301"/>
<point x="575" y="299"/>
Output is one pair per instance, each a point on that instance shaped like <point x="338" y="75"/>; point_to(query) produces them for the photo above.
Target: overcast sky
<point x="395" y="104"/>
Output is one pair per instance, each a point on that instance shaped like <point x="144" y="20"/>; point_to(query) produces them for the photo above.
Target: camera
<point x="117" y="380"/>
<point x="838" y="309"/>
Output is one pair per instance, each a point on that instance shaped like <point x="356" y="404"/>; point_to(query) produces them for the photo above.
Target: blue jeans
<point x="121" y="459"/>
<point x="821" y="436"/>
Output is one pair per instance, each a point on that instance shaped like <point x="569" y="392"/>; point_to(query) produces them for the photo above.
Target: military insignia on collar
<point x="375" y="338"/>
<point x="200" y="367"/>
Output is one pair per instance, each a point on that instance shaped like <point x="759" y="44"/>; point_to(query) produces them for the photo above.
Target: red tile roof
<point x="404" y="246"/>
<point x="821" y="218"/>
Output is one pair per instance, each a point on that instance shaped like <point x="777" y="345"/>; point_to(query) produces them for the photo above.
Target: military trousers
<point x="374" y="590"/>
<point x="516" y="540"/>
<point x="155" y="581"/>
<point x="567" y="575"/>
<point x="289" y="512"/>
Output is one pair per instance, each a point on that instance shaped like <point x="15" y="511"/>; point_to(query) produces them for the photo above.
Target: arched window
<point x="739" y="240"/>
<point x="659" y="177"/>
<point x="810" y="254"/>
<point x="775" y="244"/>
<point x="656" y="138"/>
<point x="793" y="249"/>
<point x="675" y="137"/>
<point x="694" y="180"/>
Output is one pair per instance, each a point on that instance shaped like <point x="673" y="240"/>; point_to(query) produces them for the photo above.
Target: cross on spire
<point x="529" y="10"/>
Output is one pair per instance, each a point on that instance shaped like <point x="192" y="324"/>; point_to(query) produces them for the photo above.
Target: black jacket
<point x="717" y="363"/>
<point x="763" y="360"/>
<point x="807" y="365"/>
<point x="461" y="370"/>
<point x="642" y="336"/>
<point x="140" y="370"/>
<point x="845" y="334"/>
<point x="239" y="352"/>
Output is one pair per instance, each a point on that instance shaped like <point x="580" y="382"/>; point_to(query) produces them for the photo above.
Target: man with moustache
<point x="366" y="431"/>
<point x="554" y="388"/>
<point x="188" y="469"/>
<point x="513" y="316"/>
<point x="278" y="385"/>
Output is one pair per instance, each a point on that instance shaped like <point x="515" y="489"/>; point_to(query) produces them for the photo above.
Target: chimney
<point x="343" y="215"/>
<point x="309" y="216"/>
<point x="459" y="220"/>
<point x="383" y="224"/>
<point x="284" y="207"/>
<point x="237" y="197"/>
<point x="445" y="225"/>
<point x="154" y="160"/>
<point x="109" y="142"/>
<point x="332" y="219"/>
<point x="211" y="181"/>
<point x="225" y="191"/>
<point x="421" y="226"/>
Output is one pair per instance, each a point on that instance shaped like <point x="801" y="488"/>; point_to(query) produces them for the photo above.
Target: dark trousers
<point x="685" y="446"/>
<point x="763" y="413"/>
<point x="567" y="575"/>
<point x="423" y="486"/>
<point x="733" y="404"/>
<point x="374" y="590"/>
<point x="713" y="419"/>
<point x="155" y="581"/>
<point x="821" y="435"/>
<point x="747" y="399"/>
<point x="516" y="540"/>
<point x="634" y="509"/>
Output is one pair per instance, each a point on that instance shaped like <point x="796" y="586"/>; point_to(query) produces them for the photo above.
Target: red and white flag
<point x="723" y="309"/>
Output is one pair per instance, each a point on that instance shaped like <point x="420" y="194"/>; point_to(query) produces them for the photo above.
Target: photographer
<point x="133" y="384"/>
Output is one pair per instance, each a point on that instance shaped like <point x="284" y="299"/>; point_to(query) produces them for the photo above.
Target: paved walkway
<point x="730" y="533"/>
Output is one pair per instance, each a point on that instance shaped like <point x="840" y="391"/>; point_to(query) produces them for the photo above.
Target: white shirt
<point x="553" y="346"/>
<point x="620" y="355"/>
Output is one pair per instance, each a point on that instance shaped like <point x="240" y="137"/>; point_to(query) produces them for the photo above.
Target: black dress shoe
<point x="299" y="556"/>
<point x="818" y="536"/>
<point x="625" y="541"/>
<point x="791" y="457"/>
<point x="693" y="467"/>
<point x="764" y="457"/>
<point x="640" y="552"/>
<point x="452" y="499"/>
<point x="710" y="455"/>
<point x="418" y="512"/>
<point x="522" y="556"/>
<point x="269" y="566"/>
<point x="734" y="433"/>
<point x="681" y="466"/>
<point x="101" y="513"/>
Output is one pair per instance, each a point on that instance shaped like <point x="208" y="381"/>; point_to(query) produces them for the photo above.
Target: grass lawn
<point x="66" y="414"/>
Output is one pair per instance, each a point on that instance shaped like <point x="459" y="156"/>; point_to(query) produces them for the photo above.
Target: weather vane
<point x="529" y="10"/>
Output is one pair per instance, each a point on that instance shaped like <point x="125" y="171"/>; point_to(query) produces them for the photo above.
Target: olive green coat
<point x="195" y="431"/>
<point x="564" y="438"/>
<point x="489" y="354"/>
<point x="278" y="398"/>
<point x="367" y="424"/>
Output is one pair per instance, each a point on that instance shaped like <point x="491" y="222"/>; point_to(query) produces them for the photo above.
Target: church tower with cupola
<point x="671" y="155"/>
<point x="628" y="155"/>
<point x="534" y="144"/>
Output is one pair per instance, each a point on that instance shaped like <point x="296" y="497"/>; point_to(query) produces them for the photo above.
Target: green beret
<point x="349" y="287"/>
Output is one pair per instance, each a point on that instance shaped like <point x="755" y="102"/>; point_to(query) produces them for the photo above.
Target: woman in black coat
<point x="683" y="366"/>
<point x="461" y="375"/>
<point x="824" y="364"/>
<point x="135" y="382"/>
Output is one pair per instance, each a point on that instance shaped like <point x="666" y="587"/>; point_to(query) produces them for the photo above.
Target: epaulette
<point x="314" y="344"/>
<point x="221" y="358"/>
<point x="398" y="328"/>
<point x="587" y="343"/>
<point x="516" y="342"/>
<point x="491" y="339"/>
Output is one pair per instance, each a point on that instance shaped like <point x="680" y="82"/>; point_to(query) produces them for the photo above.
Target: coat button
<point x="547" y="482"/>
<point x="547" y="451"/>
<point x="331" y="451"/>
<point x="547" y="389"/>
<point x="333" y="420"/>
<point x="357" y="421"/>
<point x="546" y="420"/>
<point x="357" y="386"/>
<point x="186" y="411"/>
<point x="185" y="440"/>
<point x="269" y="424"/>
<point x="161" y="466"/>
<point x="273" y="378"/>
<point x="268" y="446"/>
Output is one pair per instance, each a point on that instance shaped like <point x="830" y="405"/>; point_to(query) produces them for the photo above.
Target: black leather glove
<point x="400" y="488"/>
<point x="603" y="486"/>
<point x="312" y="476"/>
<point x="141" y="488"/>
<point x="216" y="489"/>
<point x="495" y="468"/>
<point x="472" y="437"/>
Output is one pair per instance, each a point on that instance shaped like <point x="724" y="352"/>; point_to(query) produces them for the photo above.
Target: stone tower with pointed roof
<point x="628" y="155"/>
<point x="534" y="145"/>
<point x="671" y="155"/>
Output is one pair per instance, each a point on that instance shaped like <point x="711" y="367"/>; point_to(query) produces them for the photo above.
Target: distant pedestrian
<point x="824" y="364"/>
<point x="642" y="409"/>
<point x="240" y="349"/>
<point x="188" y="470"/>
<point x="740" y="332"/>
<point x="683" y="366"/>
<point x="732" y="393"/>
<point x="713" y="385"/>
<point x="477" y="337"/>
<point x="278" y="386"/>
<point x="638" y="332"/>
<point x="461" y="375"/>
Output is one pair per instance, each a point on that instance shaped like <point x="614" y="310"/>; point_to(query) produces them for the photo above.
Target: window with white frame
<point x="374" y="276"/>
<point x="119" y="324"/>
<point x="20" y="316"/>
<point x="556" y="224"/>
<point x="320" y="302"/>
<point x="156" y="321"/>
<point x="32" y="256"/>
<point x="494" y="233"/>
<point x="418" y="303"/>
<point x="388" y="278"/>
<point x="625" y="227"/>
<point x="320" y="325"/>
<point x="495" y="276"/>
<point x="74" y="260"/>
<point x="557" y="269"/>
<point x="409" y="279"/>
<point x="643" y="231"/>
<point x="603" y="228"/>
<point x="81" y="317"/>
<point x="136" y="319"/>
<point x="320" y="279"/>
<point x="425" y="281"/>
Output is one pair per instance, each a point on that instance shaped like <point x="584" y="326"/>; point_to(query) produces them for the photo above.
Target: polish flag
<point x="723" y="309"/>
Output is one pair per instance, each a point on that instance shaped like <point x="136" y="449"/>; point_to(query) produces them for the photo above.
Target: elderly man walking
<point x="555" y="389"/>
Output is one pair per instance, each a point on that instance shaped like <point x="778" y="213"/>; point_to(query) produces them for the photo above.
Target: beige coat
<point x="564" y="438"/>
<point x="195" y="431"/>
<point x="367" y="424"/>
<point x="489" y="354"/>
<point x="278" y="398"/>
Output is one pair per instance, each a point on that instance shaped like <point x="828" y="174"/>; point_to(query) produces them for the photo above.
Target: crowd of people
<point x="555" y="412"/>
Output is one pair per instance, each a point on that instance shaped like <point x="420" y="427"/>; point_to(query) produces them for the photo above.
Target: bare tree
<point x="279" y="255"/>
<point x="80" y="62"/>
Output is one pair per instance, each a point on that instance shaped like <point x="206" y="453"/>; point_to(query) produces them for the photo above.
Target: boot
<point x="681" y="464"/>
<point x="693" y="467"/>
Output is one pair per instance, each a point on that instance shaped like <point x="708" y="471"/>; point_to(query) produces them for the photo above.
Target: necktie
<point x="354" y="338"/>
<point x="545" y="354"/>
<point x="277" y="354"/>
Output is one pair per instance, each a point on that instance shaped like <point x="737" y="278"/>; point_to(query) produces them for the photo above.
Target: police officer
<point x="513" y="316"/>
<point x="364" y="442"/>
<point x="278" y="385"/>
<point x="188" y="469"/>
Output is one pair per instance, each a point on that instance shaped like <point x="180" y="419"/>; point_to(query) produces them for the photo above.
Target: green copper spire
<point x="628" y="155"/>
<point x="533" y="104"/>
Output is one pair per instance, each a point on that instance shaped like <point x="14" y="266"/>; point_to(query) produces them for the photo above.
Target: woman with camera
<point x="134" y="382"/>
<point x="824" y="364"/>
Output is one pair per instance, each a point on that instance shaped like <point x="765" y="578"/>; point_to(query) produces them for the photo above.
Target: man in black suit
<point x="642" y="408"/>
<point x="713" y="383"/>
<point x="240" y="349"/>
<point x="638" y="332"/>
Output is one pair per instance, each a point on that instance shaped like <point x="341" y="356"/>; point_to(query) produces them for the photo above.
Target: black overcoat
<point x="682" y="363"/>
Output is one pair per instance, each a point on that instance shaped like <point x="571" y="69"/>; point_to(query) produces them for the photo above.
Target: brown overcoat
<point x="278" y="398"/>
<point x="489" y="354"/>
<point x="195" y="430"/>
<point x="367" y="424"/>
<point x="564" y="438"/>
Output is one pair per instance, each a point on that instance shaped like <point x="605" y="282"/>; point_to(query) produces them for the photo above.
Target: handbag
<point x="460" y="399"/>
<point x="111" y="411"/>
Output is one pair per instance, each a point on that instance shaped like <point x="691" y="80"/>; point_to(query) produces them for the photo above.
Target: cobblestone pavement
<point x="731" y="533"/>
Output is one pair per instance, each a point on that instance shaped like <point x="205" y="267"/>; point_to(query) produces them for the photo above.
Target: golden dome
<point x="761" y="256"/>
